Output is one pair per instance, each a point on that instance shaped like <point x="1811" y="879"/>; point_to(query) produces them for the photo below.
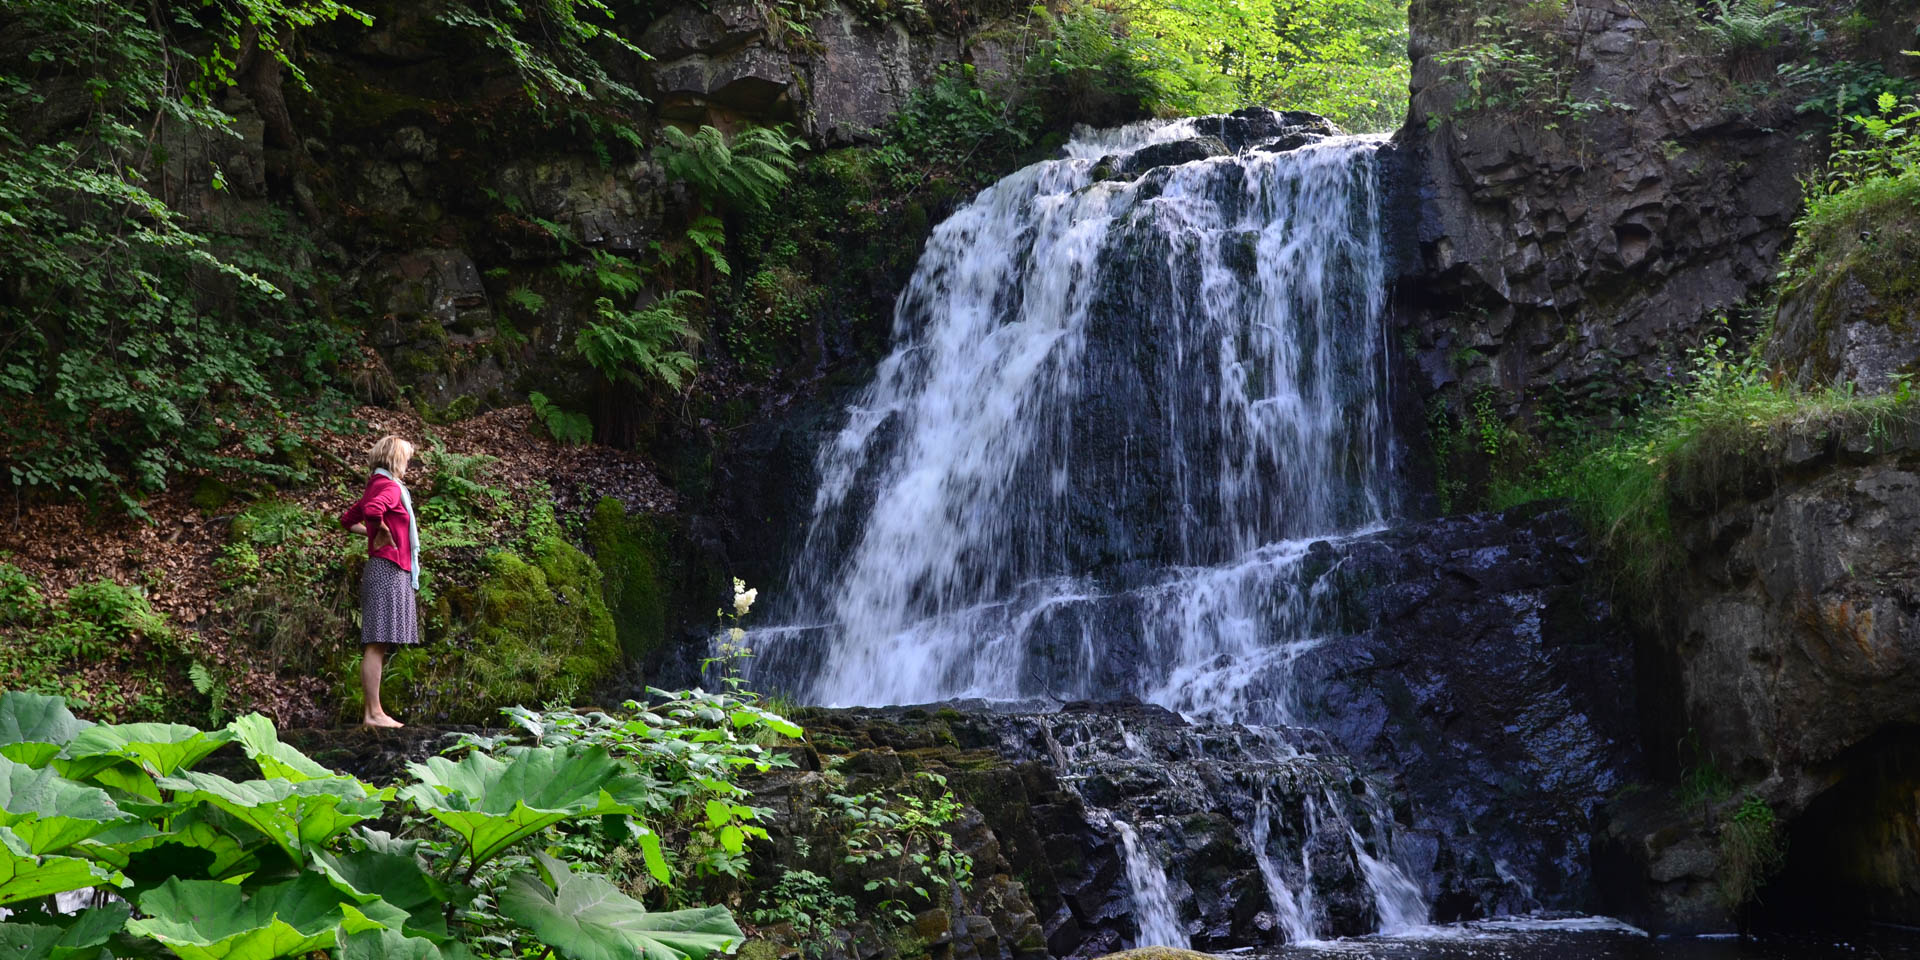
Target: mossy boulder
<point x="1849" y="312"/>
<point x="629" y="550"/>
<point x="535" y="629"/>
<point x="1157" y="953"/>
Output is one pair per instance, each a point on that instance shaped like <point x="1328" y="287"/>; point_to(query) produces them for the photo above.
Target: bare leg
<point x="373" y="657"/>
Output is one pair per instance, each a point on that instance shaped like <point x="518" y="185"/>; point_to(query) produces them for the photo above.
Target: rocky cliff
<point x="1568" y="244"/>
<point x="1576" y="238"/>
<point x="1786" y="667"/>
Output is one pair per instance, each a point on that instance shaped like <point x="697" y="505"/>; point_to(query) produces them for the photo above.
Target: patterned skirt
<point x="387" y="613"/>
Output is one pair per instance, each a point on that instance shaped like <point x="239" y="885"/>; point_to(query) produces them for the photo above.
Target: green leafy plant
<point x="548" y="43"/>
<point x="1751" y="851"/>
<point x="1744" y="25"/>
<point x="904" y="842"/>
<point x="121" y="368"/>
<point x="747" y="171"/>
<point x="640" y="346"/>
<point x="1720" y="407"/>
<point x="584" y="917"/>
<point x="1520" y="62"/>
<point x="572" y="429"/>
<point x="690" y="746"/>
<point x="46" y="641"/>
<point x="806" y="902"/>
<point x="288" y="863"/>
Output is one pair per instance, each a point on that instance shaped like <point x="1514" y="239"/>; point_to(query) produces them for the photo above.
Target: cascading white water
<point x="1292" y="908"/>
<point x="1153" y="910"/>
<point x="1116" y="415"/>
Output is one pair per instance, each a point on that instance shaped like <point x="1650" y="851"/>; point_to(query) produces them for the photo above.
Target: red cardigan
<point x="380" y="507"/>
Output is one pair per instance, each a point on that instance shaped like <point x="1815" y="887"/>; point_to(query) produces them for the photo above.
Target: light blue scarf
<point x="413" y="525"/>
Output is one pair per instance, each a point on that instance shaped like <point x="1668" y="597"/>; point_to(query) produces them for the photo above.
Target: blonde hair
<point x="391" y="452"/>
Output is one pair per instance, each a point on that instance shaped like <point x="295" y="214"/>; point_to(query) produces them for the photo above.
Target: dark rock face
<point x="1493" y="688"/>
<point x="840" y="85"/>
<point x="1587" y="256"/>
<point x="1469" y="709"/>
<point x="1790" y="657"/>
<point x="1173" y="152"/>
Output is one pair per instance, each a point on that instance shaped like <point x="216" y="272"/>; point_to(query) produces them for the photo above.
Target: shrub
<point x="295" y="860"/>
<point x="745" y="172"/>
<point x="122" y="367"/>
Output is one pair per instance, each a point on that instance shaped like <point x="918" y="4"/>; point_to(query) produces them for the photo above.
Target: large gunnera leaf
<point x="369" y="875"/>
<point x="585" y="917"/>
<point x="392" y="945"/>
<point x="81" y="939"/>
<point x="493" y="803"/>
<point x="209" y="920"/>
<point x="24" y="876"/>
<point x="300" y="817"/>
<point x="49" y="812"/>
<point x="159" y="749"/>
<point x="33" y="728"/>
<point x="277" y="760"/>
<point x="190" y="846"/>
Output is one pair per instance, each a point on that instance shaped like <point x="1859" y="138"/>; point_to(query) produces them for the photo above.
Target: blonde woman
<point x="388" y="620"/>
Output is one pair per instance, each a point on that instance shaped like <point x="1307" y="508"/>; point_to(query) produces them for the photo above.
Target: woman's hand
<point x="382" y="537"/>
<point x="359" y="528"/>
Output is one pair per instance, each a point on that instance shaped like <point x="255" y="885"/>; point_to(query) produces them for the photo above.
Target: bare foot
<point x="381" y="721"/>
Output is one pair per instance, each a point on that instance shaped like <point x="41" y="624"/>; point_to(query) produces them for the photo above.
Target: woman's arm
<point x="365" y="513"/>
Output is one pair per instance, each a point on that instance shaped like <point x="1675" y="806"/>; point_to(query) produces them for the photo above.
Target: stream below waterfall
<point x="1134" y="394"/>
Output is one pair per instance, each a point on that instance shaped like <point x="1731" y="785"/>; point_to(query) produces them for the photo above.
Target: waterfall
<point x="1115" y="415"/>
<point x="1153" y="910"/>
<point x="1293" y="911"/>
<point x="1130" y="390"/>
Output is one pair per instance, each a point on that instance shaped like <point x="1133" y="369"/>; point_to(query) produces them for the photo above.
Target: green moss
<point x="210" y="495"/>
<point x="534" y="630"/>
<point x="1870" y="233"/>
<point x="628" y="550"/>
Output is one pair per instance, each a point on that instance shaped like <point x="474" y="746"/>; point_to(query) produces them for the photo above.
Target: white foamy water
<point x="1114" y="410"/>
<point x="1153" y="909"/>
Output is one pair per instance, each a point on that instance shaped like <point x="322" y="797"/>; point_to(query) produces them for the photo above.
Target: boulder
<point x="1168" y="154"/>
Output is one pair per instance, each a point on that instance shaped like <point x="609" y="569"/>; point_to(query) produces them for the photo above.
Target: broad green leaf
<point x="369" y="875"/>
<point x="33" y="728"/>
<point x="28" y="941"/>
<point x="208" y="920"/>
<point x="277" y="760"/>
<point x="585" y="917"/>
<point x="215" y="854"/>
<point x="656" y="861"/>
<point x="394" y="945"/>
<point x="24" y="876"/>
<point x="160" y="749"/>
<point x="49" y="812"/>
<point x="300" y="817"/>
<point x="79" y="940"/>
<point x="493" y="804"/>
